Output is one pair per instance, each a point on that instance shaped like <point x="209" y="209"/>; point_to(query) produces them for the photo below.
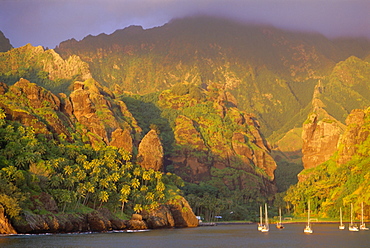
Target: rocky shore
<point x="174" y="214"/>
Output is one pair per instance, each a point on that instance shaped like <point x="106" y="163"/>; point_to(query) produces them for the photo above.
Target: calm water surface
<point x="325" y="235"/>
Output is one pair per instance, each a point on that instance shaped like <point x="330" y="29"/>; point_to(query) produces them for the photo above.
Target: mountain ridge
<point x="203" y="50"/>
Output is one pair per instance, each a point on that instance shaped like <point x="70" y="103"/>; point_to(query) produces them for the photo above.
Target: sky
<point x="49" y="22"/>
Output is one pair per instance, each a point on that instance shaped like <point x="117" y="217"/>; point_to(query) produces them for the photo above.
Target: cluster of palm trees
<point x="75" y="174"/>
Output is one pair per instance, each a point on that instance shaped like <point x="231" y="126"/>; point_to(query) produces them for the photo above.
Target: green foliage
<point x="149" y="115"/>
<point x="75" y="175"/>
<point x="330" y="186"/>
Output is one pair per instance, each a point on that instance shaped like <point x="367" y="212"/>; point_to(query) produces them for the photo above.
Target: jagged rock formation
<point x="5" y="226"/>
<point x="206" y="148"/>
<point x="34" y="97"/>
<point x="89" y="104"/>
<point x="48" y="61"/>
<point x="182" y="214"/>
<point x="122" y="138"/>
<point x="355" y="134"/>
<point x="4" y="43"/>
<point x="320" y="133"/>
<point x="320" y="139"/>
<point x="343" y="179"/>
<point x="174" y="214"/>
<point x="150" y="153"/>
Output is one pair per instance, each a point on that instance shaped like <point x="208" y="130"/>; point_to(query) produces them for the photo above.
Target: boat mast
<point x="266" y="217"/>
<point x="308" y="220"/>
<point x="280" y="215"/>
<point x="362" y="213"/>
<point x="351" y="213"/>
<point x="261" y="215"/>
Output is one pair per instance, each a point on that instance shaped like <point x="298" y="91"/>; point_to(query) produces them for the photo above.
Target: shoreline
<point x="256" y="223"/>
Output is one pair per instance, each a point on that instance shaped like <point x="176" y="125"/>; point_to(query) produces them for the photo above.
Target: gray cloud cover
<point x="48" y="22"/>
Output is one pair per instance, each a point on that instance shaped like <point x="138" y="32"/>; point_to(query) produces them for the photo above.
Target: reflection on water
<point x="325" y="235"/>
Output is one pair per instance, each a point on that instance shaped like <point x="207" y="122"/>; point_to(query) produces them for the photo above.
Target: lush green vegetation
<point x="332" y="185"/>
<point x="270" y="72"/>
<point x="74" y="174"/>
<point x="199" y="124"/>
<point x="193" y="81"/>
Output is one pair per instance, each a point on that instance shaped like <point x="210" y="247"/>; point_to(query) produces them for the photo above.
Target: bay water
<point x="324" y="235"/>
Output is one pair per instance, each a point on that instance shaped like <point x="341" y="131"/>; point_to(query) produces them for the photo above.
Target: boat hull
<point x="308" y="229"/>
<point x="364" y="228"/>
<point x="353" y="228"/>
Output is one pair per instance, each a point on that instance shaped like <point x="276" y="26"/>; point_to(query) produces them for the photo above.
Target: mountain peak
<point x="4" y="43"/>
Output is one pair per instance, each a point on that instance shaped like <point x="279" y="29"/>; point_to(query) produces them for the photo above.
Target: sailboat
<point x="341" y="225"/>
<point x="260" y="225"/>
<point x="352" y="227"/>
<point x="279" y="225"/>
<point x="266" y="228"/>
<point x="308" y="228"/>
<point x="363" y="226"/>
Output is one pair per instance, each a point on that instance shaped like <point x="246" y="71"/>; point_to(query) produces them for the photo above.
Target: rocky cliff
<point x="150" y="153"/>
<point x="320" y="133"/>
<point x="5" y="225"/>
<point x="342" y="180"/>
<point x="99" y="116"/>
<point x="4" y="43"/>
<point x="214" y="140"/>
<point x="354" y="135"/>
<point x="48" y="61"/>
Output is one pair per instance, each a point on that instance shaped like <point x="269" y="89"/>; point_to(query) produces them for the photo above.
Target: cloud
<point x="48" y="22"/>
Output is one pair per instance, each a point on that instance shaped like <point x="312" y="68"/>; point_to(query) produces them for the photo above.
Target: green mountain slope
<point x="270" y="72"/>
<point x="343" y="179"/>
<point x="44" y="67"/>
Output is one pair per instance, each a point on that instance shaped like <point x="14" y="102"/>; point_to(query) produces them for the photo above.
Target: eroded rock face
<point x="5" y="226"/>
<point x="150" y="154"/>
<point x="30" y="223"/>
<point x="195" y="159"/>
<point x="136" y="223"/>
<point x="93" y="107"/>
<point x="355" y="134"/>
<point x="160" y="218"/>
<point x="122" y="139"/>
<point x="98" y="222"/>
<point x="4" y="43"/>
<point x="182" y="213"/>
<point x="320" y="139"/>
<point x="176" y="213"/>
<point x="35" y="97"/>
<point x="3" y="88"/>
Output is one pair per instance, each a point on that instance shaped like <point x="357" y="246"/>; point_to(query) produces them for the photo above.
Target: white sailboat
<point x="363" y="226"/>
<point x="352" y="227"/>
<point x="266" y="228"/>
<point x="260" y="225"/>
<point x="279" y="225"/>
<point x="341" y="225"/>
<point x="308" y="228"/>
